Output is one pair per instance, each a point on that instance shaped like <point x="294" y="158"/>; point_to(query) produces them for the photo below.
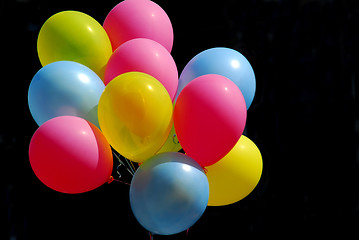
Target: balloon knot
<point x="110" y="180"/>
<point x="205" y="170"/>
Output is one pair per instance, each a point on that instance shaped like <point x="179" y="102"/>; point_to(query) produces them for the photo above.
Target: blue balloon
<point x="222" y="61"/>
<point x="65" y="88"/>
<point x="169" y="193"/>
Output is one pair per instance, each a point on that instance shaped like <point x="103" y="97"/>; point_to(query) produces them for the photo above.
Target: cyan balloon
<point x="169" y="193"/>
<point x="222" y="61"/>
<point x="65" y="88"/>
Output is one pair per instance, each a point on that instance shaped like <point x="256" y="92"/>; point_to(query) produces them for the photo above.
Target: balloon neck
<point x="110" y="180"/>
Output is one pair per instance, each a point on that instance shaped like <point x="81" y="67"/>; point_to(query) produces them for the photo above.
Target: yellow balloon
<point x="172" y="144"/>
<point x="236" y="175"/>
<point x="74" y="36"/>
<point x="135" y="115"/>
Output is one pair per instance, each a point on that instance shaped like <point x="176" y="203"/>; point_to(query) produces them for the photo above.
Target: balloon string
<point x="130" y="170"/>
<point x="111" y="179"/>
<point x="151" y="236"/>
<point x="132" y="167"/>
<point x="173" y="139"/>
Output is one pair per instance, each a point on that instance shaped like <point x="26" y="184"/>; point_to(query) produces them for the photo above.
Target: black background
<point x="304" y="119"/>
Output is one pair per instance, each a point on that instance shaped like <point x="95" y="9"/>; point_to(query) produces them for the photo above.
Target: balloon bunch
<point x="117" y="85"/>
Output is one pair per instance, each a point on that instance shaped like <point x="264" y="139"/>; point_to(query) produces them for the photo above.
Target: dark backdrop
<point x="304" y="119"/>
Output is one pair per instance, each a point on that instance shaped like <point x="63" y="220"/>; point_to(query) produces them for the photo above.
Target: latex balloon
<point x="135" y="115"/>
<point x="70" y="155"/>
<point x="74" y="36"/>
<point x="236" y="175"/>
<point x="209" y="118"/>
<point x="147" y="56"/>
<point x="223" y="61"/>
<point x="172" y="144"/>
<point x="65" y="88"/>
<point x="168" y="193"/>
<point x="138" y="19"/>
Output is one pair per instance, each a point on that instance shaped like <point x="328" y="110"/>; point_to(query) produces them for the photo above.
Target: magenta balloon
<point x="147" y="56"/>
<point x="70" y="155"/>
<point x="209" y="118"/>
<point x="138" y="19"/>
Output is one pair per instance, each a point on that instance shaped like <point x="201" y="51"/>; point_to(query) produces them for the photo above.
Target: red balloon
<point x="70" y="155"/>
<point x="209" y="117"/>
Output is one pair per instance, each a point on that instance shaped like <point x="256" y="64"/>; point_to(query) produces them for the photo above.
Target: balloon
<point x="222" y="61"/>
<point x="209" y="118"/>
<point x="168" y="193"/>
<point x="172" y="144"/>
<point x="65" y="88"/>
<point x="70" y="155"/>
<point x="74" y="36"/>
<point x="138" y="19"/>
<point x="144" y="55"/>
<point x="135" y="115"/>
<point x="236" y="175"/>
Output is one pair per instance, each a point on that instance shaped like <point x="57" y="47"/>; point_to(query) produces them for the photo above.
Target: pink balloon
<point x="138" y="19"/>
<point x="147" y="56"/>
<point x="70" y="155"/>
<point x="209" y="117"/>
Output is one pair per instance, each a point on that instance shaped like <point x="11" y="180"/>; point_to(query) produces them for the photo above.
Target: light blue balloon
<point x="169" y="193"/>
<point x="65" y="88"/>
<point x="222" y="61"/>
